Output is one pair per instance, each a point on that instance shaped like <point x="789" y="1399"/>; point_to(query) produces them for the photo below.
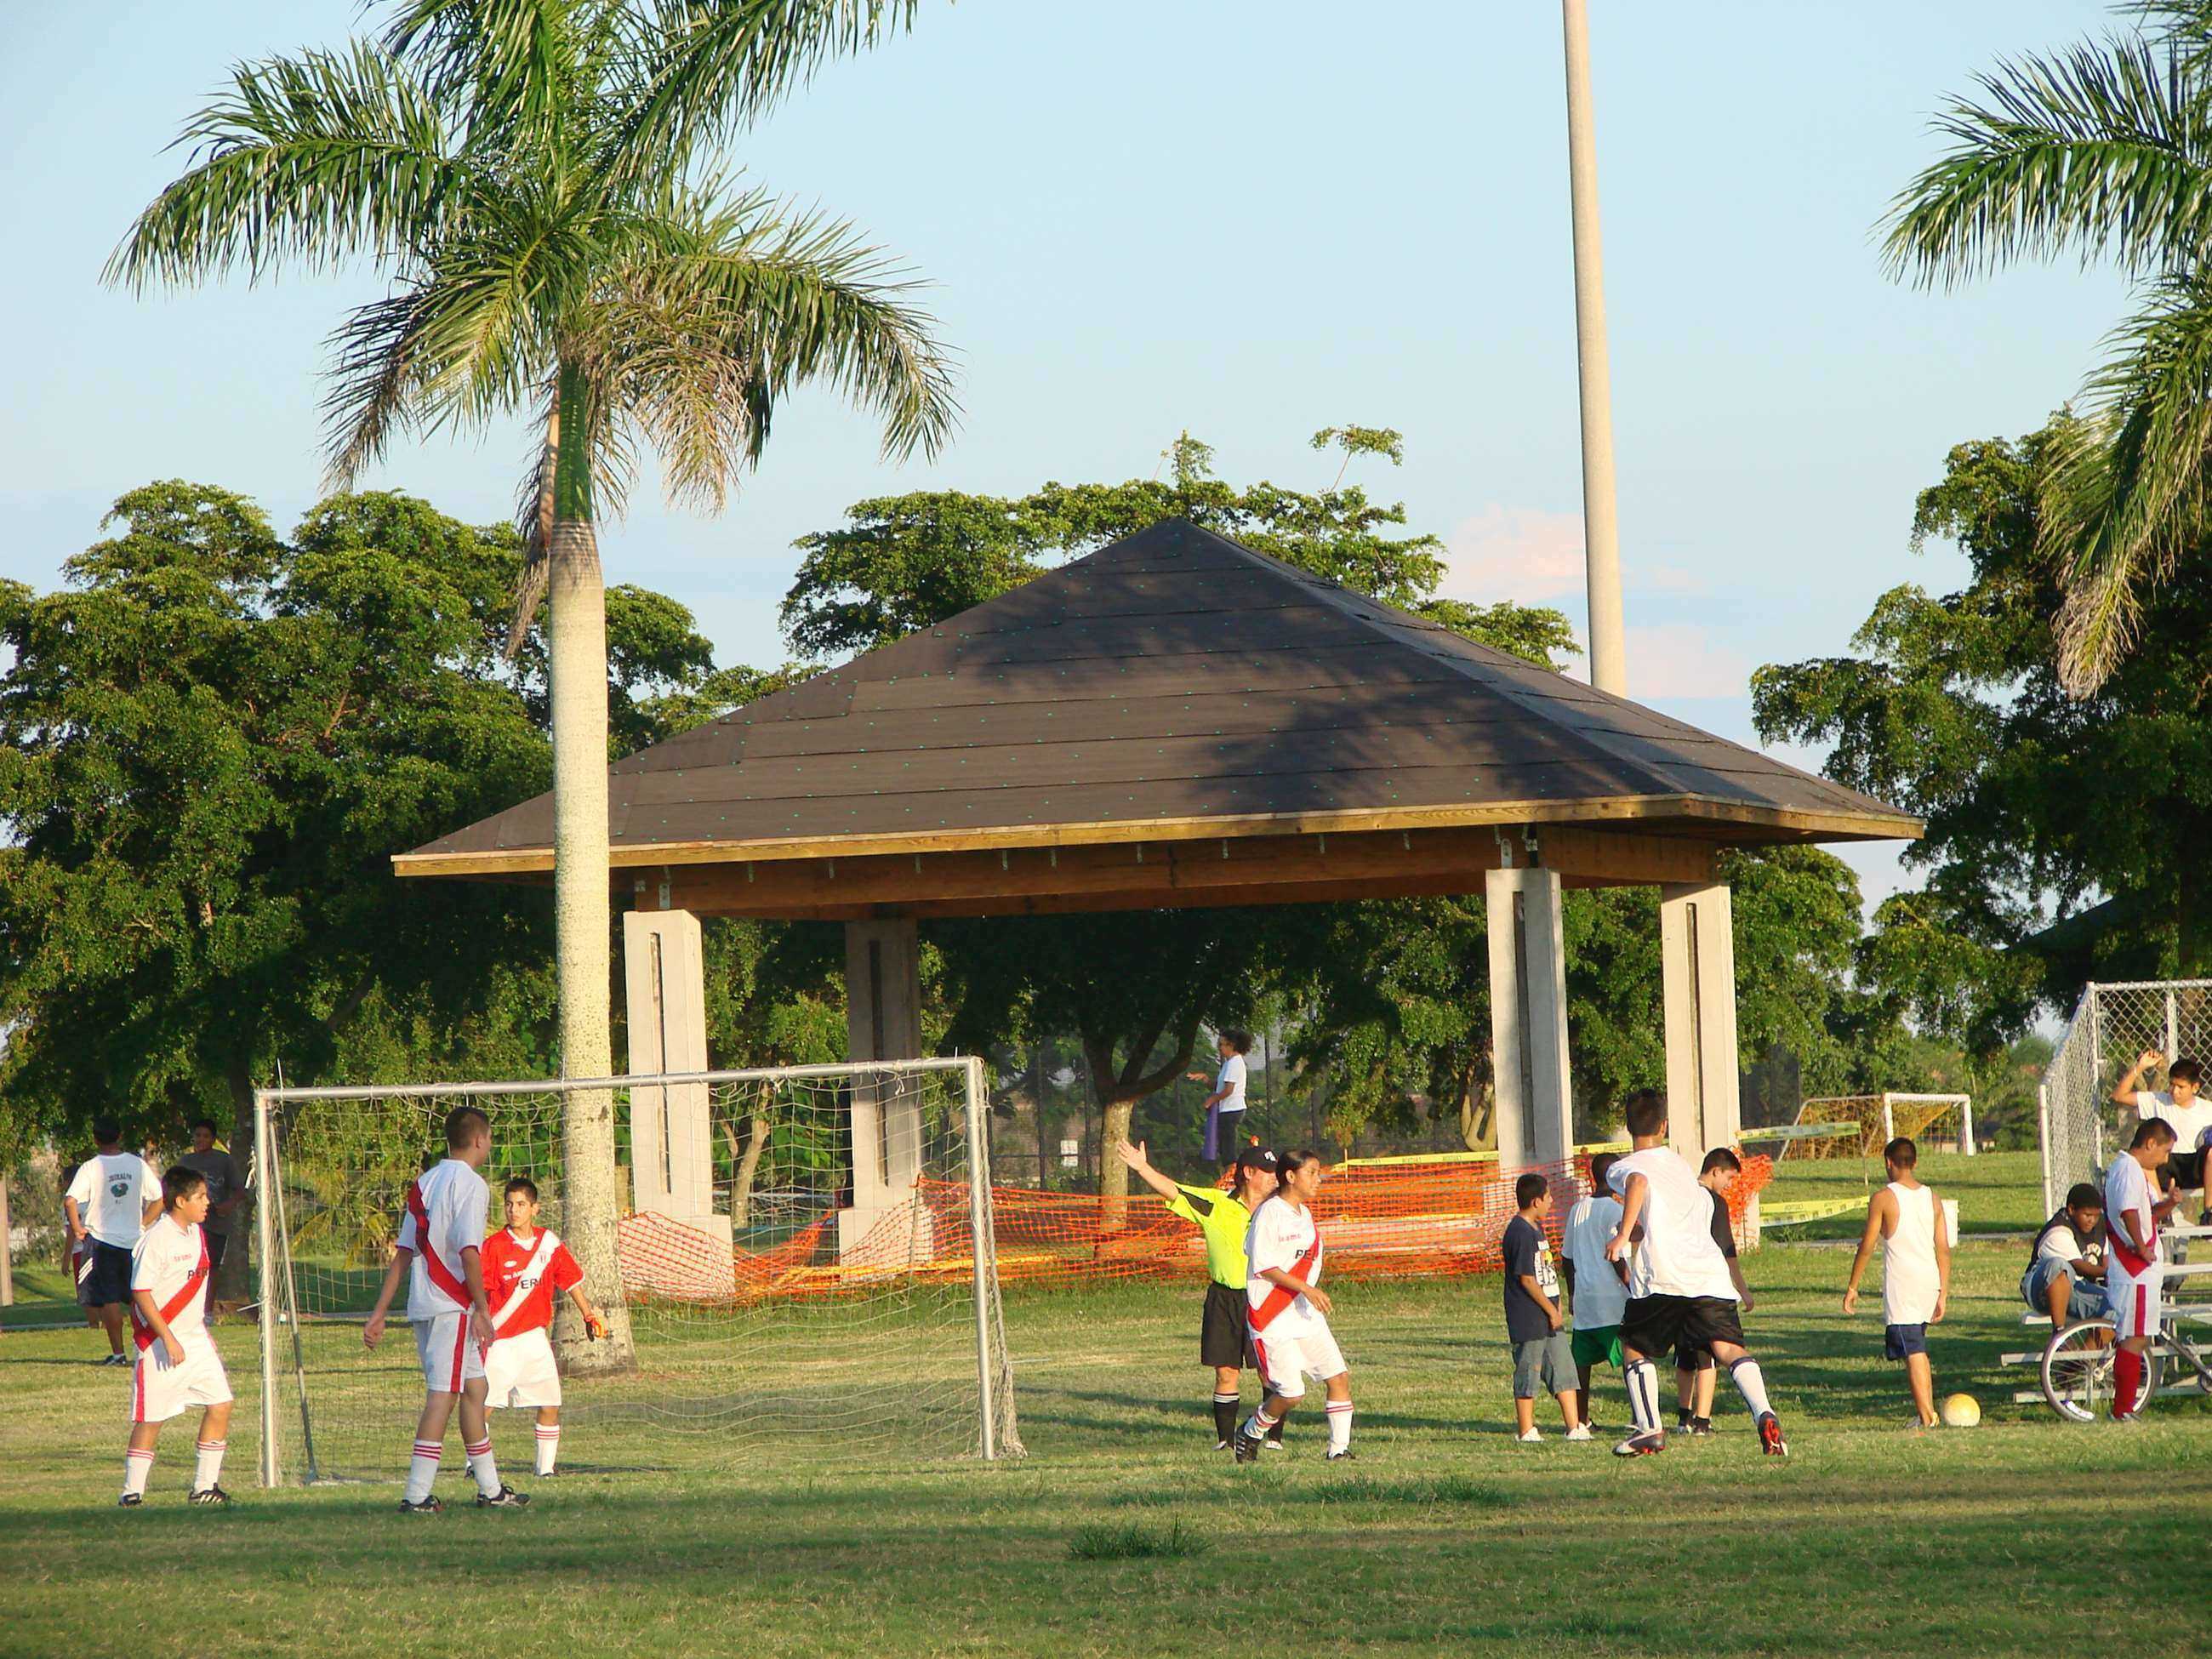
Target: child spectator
<point x="1916" y="1270"/>
<point x="1225" y="1106"/>
<point x="1542" y="1354"/>
<point x="1599" y="1287"/>
<point x="2182" y="1106"/>
<point x="2066" y="1263"/>
<point x="1694" y="1369"/>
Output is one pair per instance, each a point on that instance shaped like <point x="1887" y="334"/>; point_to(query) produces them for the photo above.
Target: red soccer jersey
<point x="520" y="1282"/>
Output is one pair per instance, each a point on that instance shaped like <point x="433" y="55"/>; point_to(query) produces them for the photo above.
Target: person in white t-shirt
<point x="1678" y="1284"/>
<point x="1598" y="1288"/>
<point x="178" y="1367"/>
<point x="1288" y="1311"/>
<point x="2182" y="1105"/>
<point x="441" y="1253"/>
<point x="110" y="1200"/>
<point x="1225" y="1106"/>
<point x="2134" y="1259"/>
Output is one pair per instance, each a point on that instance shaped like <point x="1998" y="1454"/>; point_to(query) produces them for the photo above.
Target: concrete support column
<point x="1697" y="942"/>
<point x="882" y="1021"/>
<point x="672" y="1133"/>
<point x="1529" y="1017"/>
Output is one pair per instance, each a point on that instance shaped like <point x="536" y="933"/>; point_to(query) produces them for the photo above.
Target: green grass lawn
<point x="1997" y="1192"/>
<point x="1122" y="1533"/>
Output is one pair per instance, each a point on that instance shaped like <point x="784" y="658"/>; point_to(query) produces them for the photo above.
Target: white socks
<point x="549" y="1445"/>
<point x="486" y="1471"/>
<point x="210" y="1464"/>
<point x="1643" y="1379"/>
<point x="1752" y="1384"/>
<point x="137" y="1466"/>
<point x="1259" y="1424"/>
<point x="423" y="1470"/>
<point x="1340" y="1424"/>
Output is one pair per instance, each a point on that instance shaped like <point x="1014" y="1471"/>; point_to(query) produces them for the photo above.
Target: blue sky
<point x="1250" y="218"/>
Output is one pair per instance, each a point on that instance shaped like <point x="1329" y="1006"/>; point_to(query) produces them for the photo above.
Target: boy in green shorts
<point x="1599" y="1288"/>
<point x="1223" y="1219"/>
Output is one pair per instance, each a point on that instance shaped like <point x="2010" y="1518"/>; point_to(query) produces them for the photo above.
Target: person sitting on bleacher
<point x="2066" y="1265"/>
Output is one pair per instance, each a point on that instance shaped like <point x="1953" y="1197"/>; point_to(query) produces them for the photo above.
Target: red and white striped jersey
<point x="444" y="1216"/>
<point x="2127" y="1193"/>
<point x="170" y="1264"/>
<point x="521" y="1280"/>
<point x="1290" y="1240"/>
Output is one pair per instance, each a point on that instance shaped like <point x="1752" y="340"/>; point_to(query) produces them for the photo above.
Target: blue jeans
<point x="2083" y="1301"/>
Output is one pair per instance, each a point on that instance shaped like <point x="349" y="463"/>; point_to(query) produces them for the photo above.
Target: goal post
<point x="1860" y="1126"/>
<point x="772" y="1316"/>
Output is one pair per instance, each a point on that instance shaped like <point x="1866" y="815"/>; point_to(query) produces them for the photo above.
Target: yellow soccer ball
<point x="1961" y="1410"/>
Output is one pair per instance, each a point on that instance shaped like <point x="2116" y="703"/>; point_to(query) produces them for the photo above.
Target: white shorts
<point x="520" y="1371"/>
<point x="160" y="1390"/>
<point x="2133" y="1299"/>
<point x="449" y="1354"/>
<point x="1285" y="1362"/>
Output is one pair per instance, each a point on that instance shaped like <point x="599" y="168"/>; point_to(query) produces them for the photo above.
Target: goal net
<point x="2113" y="1027"/>
<point x="808" y="1255"/>
<point x="1860" y="1126"/>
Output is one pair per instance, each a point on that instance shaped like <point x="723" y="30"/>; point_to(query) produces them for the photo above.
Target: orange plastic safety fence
<point x="1409" y="1220"/>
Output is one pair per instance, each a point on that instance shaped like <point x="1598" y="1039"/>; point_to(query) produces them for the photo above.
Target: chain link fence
<point x="2113" y="1027"/>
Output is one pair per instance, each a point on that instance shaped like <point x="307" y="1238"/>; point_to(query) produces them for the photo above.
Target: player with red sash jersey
<point x="178" y="1367"/>
<point x="2133" y="1255"/>
<point x="441" y="1252"/>
<point x="525" y="1267"/>
<point x="1288" y="1311"/>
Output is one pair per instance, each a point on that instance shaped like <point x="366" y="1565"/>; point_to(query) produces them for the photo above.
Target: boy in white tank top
<point x="1916" y="1270"/>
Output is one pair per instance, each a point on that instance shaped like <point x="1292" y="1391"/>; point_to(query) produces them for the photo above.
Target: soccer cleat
<point x="1770" y="1437"/>
<point x="1275" y="1443"/>
<point x="505" y="1498"/>
<point x="431" y="1505"/>
<point x="1685" y="1421"/>
<point x="130" y="1500"/>
<point x="1248" y="1447"/>
<point x="1580" y="1431"/>
<point x="209" y="1495"/>
<point x="2127" y="1416"/>
<point x="1701" y="1425"/>
<point x="1221" y="1445"/>
<point x="1642" y="1445"/>
<point x="113" y="1360"/>
<point x="1346" y="1456"/>
<point x="1530" y="1437"/>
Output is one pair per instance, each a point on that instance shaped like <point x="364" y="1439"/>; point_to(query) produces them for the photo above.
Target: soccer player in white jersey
<point x="178" y="1367"/>
<point x="1288" y="1311"/>
<point x="2133" y="1255"/>
<point x="525" y="1267"/>
<point x="1680" y="1289"/>
<point x="441" y="1251"/>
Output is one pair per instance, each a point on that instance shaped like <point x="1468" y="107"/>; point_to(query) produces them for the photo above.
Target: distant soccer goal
<point x="2112" y="1025"/>
<point x="1861" y="1125"/>
<point x="788" y="1298"/>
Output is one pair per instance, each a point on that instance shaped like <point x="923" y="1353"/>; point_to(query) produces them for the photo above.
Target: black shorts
<point x="109" y="1281"/>
<point x="1224" y="1338"/>
<point x="216" y="1245"/>
<point x="2188" y="1168"/>
<point x="1654" y="1324"/>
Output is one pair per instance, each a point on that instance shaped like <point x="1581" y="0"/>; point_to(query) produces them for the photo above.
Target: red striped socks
<point x="137" y="1467"/>
<point x="486" y="1471"/>
<point x="1340" y="1424"/>
<point x="549" y="1446"/>
<point x="210" y="1464"/>
<point x="423" y="1470"/>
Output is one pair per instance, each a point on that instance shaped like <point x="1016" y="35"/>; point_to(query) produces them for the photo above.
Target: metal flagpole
<point x="1601" y="528"/>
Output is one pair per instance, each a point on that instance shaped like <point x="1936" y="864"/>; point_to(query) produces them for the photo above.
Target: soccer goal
<point x="808" y="1255"/>
<point x="1860" y="1126"/>
<point x="2113" y="1026"/>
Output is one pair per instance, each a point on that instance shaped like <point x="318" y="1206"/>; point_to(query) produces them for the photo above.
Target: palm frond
<point x="314" y="159"/>
<point x="711" y="66"/>
<point x="515" y="61"/>
<point x="2104" y="147"/>
<point x="2125" y="494"/>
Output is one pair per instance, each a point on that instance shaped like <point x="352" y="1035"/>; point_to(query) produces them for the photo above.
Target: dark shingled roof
<point x="1180" y="684"/>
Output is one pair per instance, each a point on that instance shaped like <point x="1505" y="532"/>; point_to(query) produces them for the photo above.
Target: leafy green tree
<point x="2065" y="838"/>
<point x="536" y="179"/>
<point x="210" y="741"/>
<point x="1137" y="988"/>
<point x="2103" y="150"/>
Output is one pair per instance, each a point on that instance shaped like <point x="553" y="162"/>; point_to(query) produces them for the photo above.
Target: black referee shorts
<point x="1654" y="1325"/>
<point x="1224" y="1338"/>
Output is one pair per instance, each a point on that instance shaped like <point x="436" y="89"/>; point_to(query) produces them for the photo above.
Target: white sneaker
<point x="1580" y="1431"/>
<point x="1531" y="1439"/>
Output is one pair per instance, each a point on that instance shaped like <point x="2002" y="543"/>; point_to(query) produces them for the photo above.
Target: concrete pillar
<point x="882" y="1021"/>
<point x="672" y="1133"/>
<point x="1697" y="945"/>
<point x="1529" y="1017"/>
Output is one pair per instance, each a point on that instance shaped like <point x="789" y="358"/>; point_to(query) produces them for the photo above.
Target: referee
<point x="1225" y="1340"/>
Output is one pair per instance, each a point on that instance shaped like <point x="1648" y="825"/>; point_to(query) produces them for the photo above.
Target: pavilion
<point x="1177" y="720"/>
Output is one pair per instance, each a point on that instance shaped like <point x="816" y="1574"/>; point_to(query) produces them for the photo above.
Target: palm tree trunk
<point x="576" y="649"/>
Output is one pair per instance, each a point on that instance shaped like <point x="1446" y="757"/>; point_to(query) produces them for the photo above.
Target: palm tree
<point x="2104" y="150"/>
<point x="533" y="178"/>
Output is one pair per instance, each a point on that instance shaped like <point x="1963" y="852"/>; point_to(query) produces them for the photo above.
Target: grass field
<point x="1996" y="1192"/>
<point x="1122" y="1533"/>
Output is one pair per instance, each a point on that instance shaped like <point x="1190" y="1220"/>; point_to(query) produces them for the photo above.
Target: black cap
<point x="1260" y="1158"/>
